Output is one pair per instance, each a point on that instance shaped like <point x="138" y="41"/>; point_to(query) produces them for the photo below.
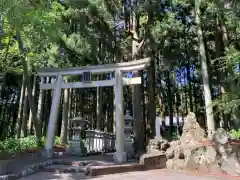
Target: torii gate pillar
<point x="48" y="151"/>
<point x="119" y="156"/>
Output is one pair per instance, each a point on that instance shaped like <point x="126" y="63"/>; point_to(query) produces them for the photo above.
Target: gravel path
<point x="141" y="175"/>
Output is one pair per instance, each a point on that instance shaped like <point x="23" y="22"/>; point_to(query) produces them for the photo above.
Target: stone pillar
<point x="90" y="140"/>
<point x="48" y="151"/>
<point x="119" y="156"/>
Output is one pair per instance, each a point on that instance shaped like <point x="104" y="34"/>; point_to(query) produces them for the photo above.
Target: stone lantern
<point x="75" y="143"/>
<point x="129" y="134"/>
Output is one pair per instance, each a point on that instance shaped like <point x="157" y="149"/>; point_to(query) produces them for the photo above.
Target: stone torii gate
<point x="118" y="81"/>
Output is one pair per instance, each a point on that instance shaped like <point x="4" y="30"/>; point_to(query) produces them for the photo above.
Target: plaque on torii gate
<point x="118" y="82"/>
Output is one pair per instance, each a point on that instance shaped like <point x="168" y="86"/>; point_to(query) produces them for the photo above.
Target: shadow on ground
<point x="56" y="176"/>
<point x="139" y="175"/>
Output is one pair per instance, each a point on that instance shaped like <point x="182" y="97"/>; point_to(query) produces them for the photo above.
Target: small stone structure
<point x="128" y="131"/>
<point x="75" y="143"/>
<point x="153" y="161"/>
<point x="155" y="158"/>
<point x="157" y="145"/>
<point x="96" y="141"/>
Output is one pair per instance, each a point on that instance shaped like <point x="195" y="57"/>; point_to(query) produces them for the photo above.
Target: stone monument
<point x="129" y="135"/>
<point x="194" y="152"/>
<point x="75" y="143"/>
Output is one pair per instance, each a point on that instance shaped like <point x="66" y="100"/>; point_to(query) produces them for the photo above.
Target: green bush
<point x="29" y="142"/>
<point x="12" y="145"/>
<point x="57" y="140"/>
<point x="235" y="134"/>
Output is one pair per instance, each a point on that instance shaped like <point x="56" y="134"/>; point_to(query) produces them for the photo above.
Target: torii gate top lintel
<point x="97" y="69"/>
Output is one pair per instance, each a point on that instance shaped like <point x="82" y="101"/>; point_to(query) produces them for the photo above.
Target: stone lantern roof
<point x="127" y="116"/>
<point x="78" y="122"/>
<point x="78" y="118"/>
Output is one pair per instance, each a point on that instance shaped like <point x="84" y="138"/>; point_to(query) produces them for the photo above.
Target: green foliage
<point x="175" y="136"/>
<point x="230" y="101"/>
<point x="28" y="142"/>
<point x="57" y="140"/>
<point x="12" y="145"/>
<point x="172" y="136"/>
<point x="86" y="32"/>
<point x="235" y="134"/>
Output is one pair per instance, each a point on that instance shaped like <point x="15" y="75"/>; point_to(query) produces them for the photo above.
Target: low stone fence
<point x="97" y="141"/>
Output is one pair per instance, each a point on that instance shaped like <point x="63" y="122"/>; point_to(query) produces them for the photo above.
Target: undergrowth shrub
<point x="235" y="134"/>
<point x="13" y="145"/>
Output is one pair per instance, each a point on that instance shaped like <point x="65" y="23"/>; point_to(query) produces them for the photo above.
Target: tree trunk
<point x="59" y="116"/>
<point x="170" y="103"/>
<point x="25" y="115"/>
<point x="189" y="86"/>
<point x="221" y="17"/>
<point x="46" y="111"/>
<point x="29" y="88"/>
<point x="195" y="94"/>
<point x="110" y="110"/>
<point x="64" y="127"/>
<point x="75" y="103"/>
<point x="188" y="70"/>
<point x="42" y="94"/>
<point x="204" y="70"/>
<point x="31" y="100"/>
<point x="151" y="113"/>
<point x="221" y="72"/>
<point x="81" y="94"/>
<point x="136" y="90"/>
<point x="144" y="117"/>
<point x="221" y="6"/>
<point x="99" y="107"/>
<point x="20" y="110"/>
<point x="185" y="93"/>
<point x="33" y="93"/>
<point x="70" y="104"/>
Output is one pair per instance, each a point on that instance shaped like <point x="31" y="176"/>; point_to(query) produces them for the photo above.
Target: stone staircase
<point x="85" y="166"/>
<point x="91" y="168"/>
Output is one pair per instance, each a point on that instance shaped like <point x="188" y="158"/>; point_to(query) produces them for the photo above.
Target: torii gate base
<point x="119" y="156"/>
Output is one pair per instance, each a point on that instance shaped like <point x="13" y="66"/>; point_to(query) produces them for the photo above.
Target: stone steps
<point x="88" y="167"/>
<point x="93" y="169"/>
<point x="64" y="169"/>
